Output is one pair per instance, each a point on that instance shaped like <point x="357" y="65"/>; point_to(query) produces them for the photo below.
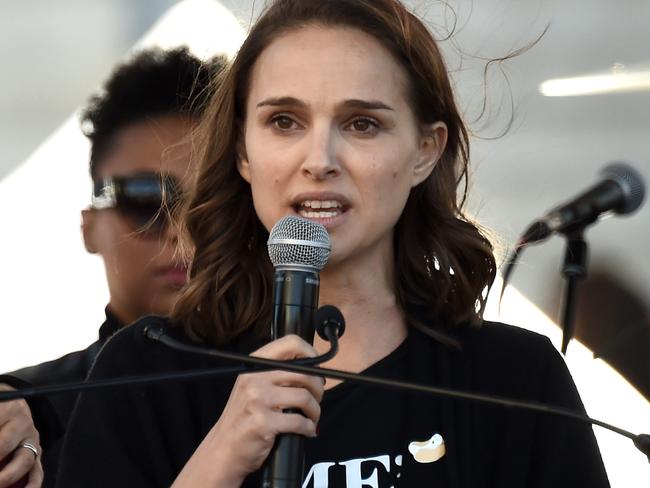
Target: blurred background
<point x="531" y="151"/>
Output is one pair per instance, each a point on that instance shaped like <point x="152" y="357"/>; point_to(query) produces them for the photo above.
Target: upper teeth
<point x="321" y="204"/>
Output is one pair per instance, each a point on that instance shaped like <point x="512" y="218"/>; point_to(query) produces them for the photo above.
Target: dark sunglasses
<point x="143" y="199"/>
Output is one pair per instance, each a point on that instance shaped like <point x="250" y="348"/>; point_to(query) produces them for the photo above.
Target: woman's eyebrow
<point x="366" y="104"/>
<point x="351" y="103"/>
<point x="282" y="101"/>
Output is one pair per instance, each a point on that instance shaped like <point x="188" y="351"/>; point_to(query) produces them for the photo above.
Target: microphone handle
<point x="295" y="301"/>
<point x="285" y="465"/>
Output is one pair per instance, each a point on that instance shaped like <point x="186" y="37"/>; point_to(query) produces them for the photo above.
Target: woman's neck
<point x="375" y="323"/>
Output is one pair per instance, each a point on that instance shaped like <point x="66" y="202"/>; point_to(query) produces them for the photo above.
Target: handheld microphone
<point x="621" y="190"/>
<point x="298" y="249"/>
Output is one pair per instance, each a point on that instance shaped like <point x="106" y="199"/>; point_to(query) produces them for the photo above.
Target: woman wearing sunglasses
<point x="139" y="158"/>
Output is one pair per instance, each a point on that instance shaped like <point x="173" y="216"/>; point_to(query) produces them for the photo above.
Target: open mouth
<point x="319" y="209"/>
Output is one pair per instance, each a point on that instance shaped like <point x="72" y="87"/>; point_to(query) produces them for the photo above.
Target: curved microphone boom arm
<point x="306" y="366"/>
<point x="250" y="365"/>
<point x="641" y="441"/>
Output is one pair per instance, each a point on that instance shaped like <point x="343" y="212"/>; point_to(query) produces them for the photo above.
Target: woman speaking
<point x="340" y="112"/>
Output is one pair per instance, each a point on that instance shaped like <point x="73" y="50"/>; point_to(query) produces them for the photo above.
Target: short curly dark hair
<point x="154" y="82"/>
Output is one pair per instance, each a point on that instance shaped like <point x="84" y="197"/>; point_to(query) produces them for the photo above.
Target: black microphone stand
<point x="251" y="364"/>
<point x="574" y="269"/>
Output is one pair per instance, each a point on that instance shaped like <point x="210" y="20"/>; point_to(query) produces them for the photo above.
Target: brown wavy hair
<point x="443" y="262"/>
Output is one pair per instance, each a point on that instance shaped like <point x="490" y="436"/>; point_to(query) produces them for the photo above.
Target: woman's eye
<point x="283" y="122"/>
<point x="364" y="125"/>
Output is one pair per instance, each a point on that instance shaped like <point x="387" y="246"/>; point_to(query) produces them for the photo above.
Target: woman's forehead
<point x="318" y="62"/>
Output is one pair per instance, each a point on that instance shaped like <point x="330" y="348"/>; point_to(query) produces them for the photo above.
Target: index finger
<point x="287" y="347"/>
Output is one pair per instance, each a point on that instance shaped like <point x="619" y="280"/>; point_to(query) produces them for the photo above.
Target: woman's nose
<point x="322" y="156"/>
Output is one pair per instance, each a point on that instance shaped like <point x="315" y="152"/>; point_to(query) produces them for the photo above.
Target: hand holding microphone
<point x="269" y="414"/>
<point x="255" y="414"/>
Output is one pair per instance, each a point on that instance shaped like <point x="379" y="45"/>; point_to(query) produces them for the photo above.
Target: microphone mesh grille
<point x="297" y="241"/>
<point x="630" y="181"/>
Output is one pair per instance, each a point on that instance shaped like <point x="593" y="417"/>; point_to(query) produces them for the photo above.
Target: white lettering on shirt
<point x="353" y="472"/>
<point x="318" y="475"/>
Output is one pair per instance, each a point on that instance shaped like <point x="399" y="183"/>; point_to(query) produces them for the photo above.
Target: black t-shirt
<point x="142" y="437"/>
<point x="362" y="434"/>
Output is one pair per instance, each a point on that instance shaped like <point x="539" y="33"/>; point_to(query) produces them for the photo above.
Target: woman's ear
<point x="432" y="144"/>
<point x="88" y="230"/>
<point x="244" y="168"/>
<point x="242" y="159"/>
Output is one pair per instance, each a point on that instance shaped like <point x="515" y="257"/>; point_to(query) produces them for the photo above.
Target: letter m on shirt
<point x="318" y="476"/>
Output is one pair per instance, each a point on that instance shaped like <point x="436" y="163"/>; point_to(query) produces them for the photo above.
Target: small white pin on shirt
<point x="428" y="451"/>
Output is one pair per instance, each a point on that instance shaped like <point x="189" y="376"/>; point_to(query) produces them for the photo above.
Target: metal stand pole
<point x="573" y="269"/>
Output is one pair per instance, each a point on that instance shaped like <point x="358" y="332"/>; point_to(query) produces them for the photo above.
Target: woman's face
<point x="143" y="277"/>
<point x="330" y="135"/>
